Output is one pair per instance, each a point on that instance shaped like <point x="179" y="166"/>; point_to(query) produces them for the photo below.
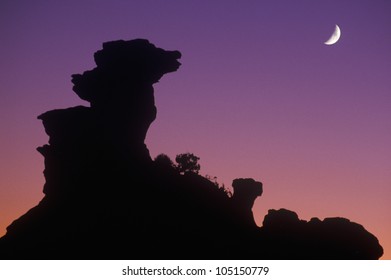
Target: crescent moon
<point x="334" y="37"/>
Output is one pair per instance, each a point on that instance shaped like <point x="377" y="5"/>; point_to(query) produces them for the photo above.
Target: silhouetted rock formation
<point x="332" y="238"/>
<point x="105" y="198"/>
<point x="245" y="193"/>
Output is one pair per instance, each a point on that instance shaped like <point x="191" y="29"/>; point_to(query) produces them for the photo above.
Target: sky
<point x="258" y="95"/>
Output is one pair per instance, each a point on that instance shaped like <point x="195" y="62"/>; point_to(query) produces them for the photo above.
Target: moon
<point x="334" y="37"/>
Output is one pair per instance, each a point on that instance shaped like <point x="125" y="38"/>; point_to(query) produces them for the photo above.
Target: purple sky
<point x="258" y="95"/>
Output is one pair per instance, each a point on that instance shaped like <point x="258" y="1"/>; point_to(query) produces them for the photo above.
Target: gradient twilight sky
<point x="258" y="95"/>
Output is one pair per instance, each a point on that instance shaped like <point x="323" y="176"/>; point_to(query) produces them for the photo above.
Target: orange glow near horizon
<point x="277" y="194"/>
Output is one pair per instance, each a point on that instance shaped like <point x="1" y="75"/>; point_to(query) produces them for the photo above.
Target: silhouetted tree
<point x="164" y="161"/>
<point x="187" y="162"/>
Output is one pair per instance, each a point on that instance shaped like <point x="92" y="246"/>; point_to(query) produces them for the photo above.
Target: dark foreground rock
<point x="105" y="198"/>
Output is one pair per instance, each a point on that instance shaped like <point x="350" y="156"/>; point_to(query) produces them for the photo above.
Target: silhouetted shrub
<point x="187" y="162"/>
<point x="221" y="187"/>
<point x="164" y="161"/>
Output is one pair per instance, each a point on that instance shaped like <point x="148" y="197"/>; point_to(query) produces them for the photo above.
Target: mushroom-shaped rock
<point x="120" y="87"/>
<point x="246" y="190"/>
<point x="124" y="65"/>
